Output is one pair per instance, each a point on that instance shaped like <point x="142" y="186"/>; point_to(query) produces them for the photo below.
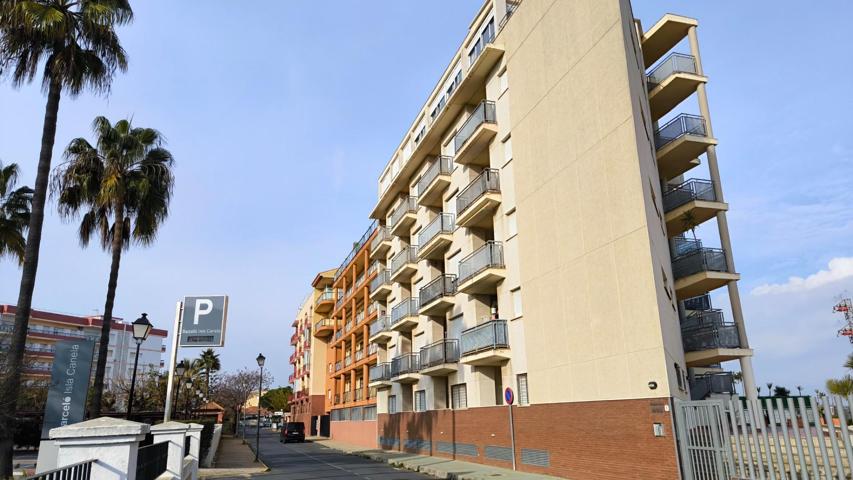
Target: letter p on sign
<point x="203" y="306"/>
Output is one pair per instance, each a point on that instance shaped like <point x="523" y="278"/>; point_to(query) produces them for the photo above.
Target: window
<point x="522" y="389"/>
<point x="392" y="403"/>
<point x="458" y="396"/>
<point x="420" y="400"/>
<point x="678" y="377"/>
<point x="516" y="302"/>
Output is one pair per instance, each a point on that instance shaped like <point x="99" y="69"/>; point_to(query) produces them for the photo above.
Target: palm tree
<point x="210" y="362"/>
<point x="123" y="185"/>
<point x="75" y="45"/>
<point x="842" y="386"/>
<point x="14" y="212"/>
<point x="689" y="222"/>
<point x="800" y="390"/>
<point x="769" y="388"/>
<point x="737" y="378"/>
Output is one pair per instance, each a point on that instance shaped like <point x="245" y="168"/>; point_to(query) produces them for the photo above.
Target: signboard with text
<point x="203" y="321"/>
<point x="69" y="384"/>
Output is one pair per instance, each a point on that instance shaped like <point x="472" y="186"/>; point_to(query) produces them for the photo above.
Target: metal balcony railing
<point x="359" y="394"/>
<point x="409" y="205"/>
<point x="406" y="308"/>
<point x="375" y="266"/>
<point x="359" y="317"/>
<point x="406" y="363"/>
<point x="487" y="182"/>
<point x="381" y="324"/>
<point x="440" y="352"/>
<point x="699" y="260"/>
<point x="326" y="322"/>
<point x="484" y="113"/>
<point x="328" y="295"/>
<point x="337" y="398"/>
<point x="380" y="371"/>
<point x="701" y="302"/>
<point x="487" y="336"/>
<point x="679" y="126"/>
<point x="339" y="334"/>
<point x="693" y="189"/>
<point x="710" y="383"/>
<point x="406" y="256"/>
<point x="359" y="355"/>
<point x="348" y="327"/>
<point x="347" y="360"/>
<point x="674" y="63"/>
<point x="442" y="286"/>
<point x="490" y="255"/>
<point x="382" y="235"/>
<point x="338" y="366"/>
<point x="384" y="278"/>
<point x="443" y="223"/>
<point x="709" y="336"/>
<point x="372" y="349"/>
<point x="440" y="166"/>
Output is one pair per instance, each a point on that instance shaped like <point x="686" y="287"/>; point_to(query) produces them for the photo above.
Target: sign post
<point x="69" y="384"/>
<point x="510" y="397"/>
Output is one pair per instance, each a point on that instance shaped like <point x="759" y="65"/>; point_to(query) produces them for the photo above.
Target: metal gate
<point x="324" y="426"/>
<point x="770" y="438"/>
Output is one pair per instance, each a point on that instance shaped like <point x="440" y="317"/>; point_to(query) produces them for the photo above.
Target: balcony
<point x="440" y="358"/>
<point x="436" y="297"/>
<point x="359" y="355"/>
<point x="434" y="181"/>
<point x="486" y="344"/>
<point x="404" y="369"/>
<point x="325" y="301"/>
<point x="404" y="264"/>
<point x="690" y="204"/>
<point x="679" y="142"/>
<point x="339" y="366"/>
<point x="380" y="330"/>
<point x="339" y="334"/>
<point x="381" y="243"/>
<point x="671" y="82"/>
<point x="704" y="386"/>
<point x="708" y="339"/>
<point x="380" y="286"/>
<point x="403" y="217"/>
<point x="404" y="315"/>
<point x="380" y="375"/>
<point x="481" y="271"/>
<point x="475" y="205"/>
<point x="434" y="239"/>
<point x="294" y="339"/>
<point x="701" y="270"/>
<point x="472" y="140"/>
<point x="664" y="36"/>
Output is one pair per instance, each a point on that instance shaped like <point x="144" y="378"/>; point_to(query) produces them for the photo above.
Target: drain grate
<point x="499" y="453"/>
<point x="538" y="458"/>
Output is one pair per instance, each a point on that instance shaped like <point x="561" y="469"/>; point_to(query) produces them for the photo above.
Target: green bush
<point x="27" y="432"/>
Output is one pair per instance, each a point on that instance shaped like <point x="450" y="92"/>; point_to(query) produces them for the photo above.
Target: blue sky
<point x="281" y="119"/>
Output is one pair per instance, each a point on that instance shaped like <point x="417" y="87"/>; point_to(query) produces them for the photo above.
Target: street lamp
<point x="180" y="368"/>
<point x="261" y="360"/>
<point x="141" y="328"/>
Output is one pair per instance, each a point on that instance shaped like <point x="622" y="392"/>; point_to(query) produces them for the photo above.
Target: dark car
<point x="293" y="432"/>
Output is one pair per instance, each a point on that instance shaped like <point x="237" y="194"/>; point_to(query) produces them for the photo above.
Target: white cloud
<point x="839" y="269"/>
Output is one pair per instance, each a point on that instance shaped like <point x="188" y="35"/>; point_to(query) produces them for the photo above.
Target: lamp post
<point x="179" y="372"/>
<point x="261" y="359"/>
<point x="141" y="328"/>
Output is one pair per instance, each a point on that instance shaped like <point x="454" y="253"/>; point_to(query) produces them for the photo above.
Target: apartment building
<point x="47" y="328"/>
<point x="538" y="227"/>
<point x="308" y="379"/>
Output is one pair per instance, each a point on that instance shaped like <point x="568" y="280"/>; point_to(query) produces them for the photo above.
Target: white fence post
<point x="112" y="442"/>
<point x="194" y="432"/>
<point x="174" y="433"/>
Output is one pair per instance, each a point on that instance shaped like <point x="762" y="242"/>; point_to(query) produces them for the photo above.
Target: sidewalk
<point x="435" y="466"/>
<point x="234" y="459"/>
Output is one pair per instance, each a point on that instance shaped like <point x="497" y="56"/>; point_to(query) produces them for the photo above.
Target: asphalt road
<point x="298" y="461"/>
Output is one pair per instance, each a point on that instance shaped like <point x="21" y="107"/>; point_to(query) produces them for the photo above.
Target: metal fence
<point x="484" y="113"/>
<point x="408" y="205"/>
<point x="706" y="337"/>
<point x="406" y="308"/>
<point x="674" y="63"/>
<point x="490" y="255"/>
<point x="440" y="352"/>
<point x="487" y="182"/>
<point x="380" y="371"/>
<point x="381" y="235"/>
<point x="441" y="286"/>
<point x="327" y="296"/>
<point x="75" y="471"/>
<point x="487" y="336"/>
<point x="442" y="165"/>
<point x="711" y="383"/>
<point x="379" y="325"/>
<point x="406" y="256"/>
<point x="151" y="461"/>
<point x="693" y="189"/>
<point x="443" y="223"/>
<point x="406" y="363"/>
<point x="770" y="438"/>
<point x="384" y="278"/>
<point x="699" y="260"/>
<point x="679" y="126"/>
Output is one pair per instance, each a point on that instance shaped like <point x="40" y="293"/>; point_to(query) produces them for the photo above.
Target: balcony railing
<point x="384" y="278"/>
<point x="490" y="255"/>
<point x="409" y="205"/>
<point x="372" y="349"/>
<point x="359" y="355"/>
<point x="379" y="325"/>
<point x="339" y="334"/>
<point x="348" y="327"/>
<point x="486" y="182"/>
<point x="443" y="223"/>
<point x="442" y="286"/>
<point x="406" y="256"/>
<point x="338" y="366"/>
<point x="710" y="335"/>
<point x="328" y="295"/>
<point x="701" y="302"/>
<point x="347" y="361"/>
<point x="487" y="336"/>
<point x="382" y="235"/>
<point x="699" y="260"/>
<point x="326" y="322"/>
<point x="375" y="266"/>
<point x="440" y="166"/>
<point x="407" y="363"/>
<point x="380" y="371"/>
<point x="703" y="385"/>
<point x="359" y="317"/>
<point x="406" y="308"/>
<point x="678" y="127"/>
<point x="440" y="352"/>
<point x="359" y="393"/>
<point x="693" y="189"/>
<point x="484" y="113"/>
<point x="674" y="63"/>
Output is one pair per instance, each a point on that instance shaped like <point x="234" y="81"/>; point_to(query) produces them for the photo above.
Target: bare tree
<point x="233" y="390"/>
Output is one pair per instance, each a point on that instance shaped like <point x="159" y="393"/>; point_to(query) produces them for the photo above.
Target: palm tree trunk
<point x="98" y="385"/>
<point x="15" y="356"/>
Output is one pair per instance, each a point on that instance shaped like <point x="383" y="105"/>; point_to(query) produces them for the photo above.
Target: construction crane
<point x="845" y="307"/>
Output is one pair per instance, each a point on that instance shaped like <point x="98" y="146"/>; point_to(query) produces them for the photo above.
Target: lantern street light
<point x="180" y="369"/>
<point x="141" y="328"/>
<point x="261" y="360"/>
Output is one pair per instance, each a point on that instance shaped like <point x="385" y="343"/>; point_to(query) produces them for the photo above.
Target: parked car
<point x="293" y="432"/>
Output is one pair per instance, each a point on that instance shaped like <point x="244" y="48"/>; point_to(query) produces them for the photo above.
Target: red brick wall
<point x="585" y="440"/>
<point x="356" y="433"/>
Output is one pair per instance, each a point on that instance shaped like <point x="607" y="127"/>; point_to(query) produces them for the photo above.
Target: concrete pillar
<point x="112" y="442"/>
<point x="194" y="432"/>
<point x="174" y="433"/>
